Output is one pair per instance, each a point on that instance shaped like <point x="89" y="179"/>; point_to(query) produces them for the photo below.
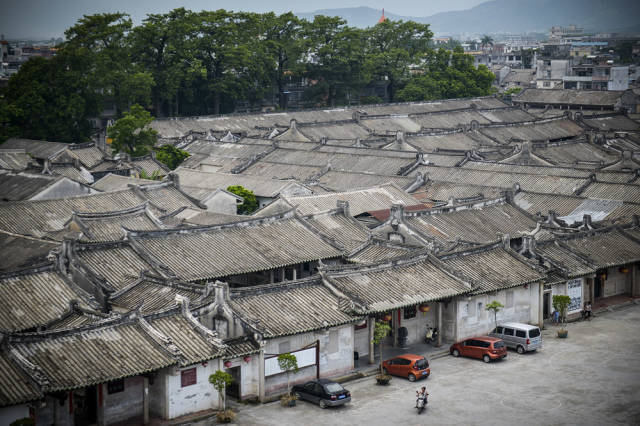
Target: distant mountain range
<point x="512" y="16"/>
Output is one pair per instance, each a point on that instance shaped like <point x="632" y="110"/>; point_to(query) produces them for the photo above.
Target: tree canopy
<point x="213" y="62"/>
<point x="250" y="203"/>
<point x="130" y="135"/>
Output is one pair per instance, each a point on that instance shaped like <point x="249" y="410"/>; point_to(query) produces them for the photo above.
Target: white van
<point x="521" y="337"/>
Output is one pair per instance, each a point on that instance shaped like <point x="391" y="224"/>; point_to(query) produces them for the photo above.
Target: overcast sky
<point x="49" y="18"/>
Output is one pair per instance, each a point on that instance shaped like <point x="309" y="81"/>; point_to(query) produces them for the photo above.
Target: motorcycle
<point x="422" y="402"/>
<point x="431" y="335"/>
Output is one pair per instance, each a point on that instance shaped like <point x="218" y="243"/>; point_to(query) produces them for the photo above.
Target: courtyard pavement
<point x="590" y="378"/>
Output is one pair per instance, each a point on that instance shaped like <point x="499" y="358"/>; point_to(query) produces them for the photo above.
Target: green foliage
<point x="153" y="176"/>
<point x="289" y="363"/>
<point x="380" y="332"/>
<point x="170" y="155"/>
<point x="486" y="41"/>
<point x="220" y="380"/>
<point x="494" y="307"/>
<point x="512" y="91"/>
<point x="49" y="99"/>
<point x="370" y="100"/>
<point x="130" y="135"/>
<point x="392" y="47"/>
<point x="250" y="203"/>
<point x="561" y="303"/>
<point x="448" y="75"/>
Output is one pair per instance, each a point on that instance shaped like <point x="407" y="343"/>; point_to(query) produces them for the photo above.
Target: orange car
<point x="482" y="347"/>
<point x="408" y="365"/>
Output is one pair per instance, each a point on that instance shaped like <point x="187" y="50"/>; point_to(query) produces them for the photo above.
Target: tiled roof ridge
<point x="33" y="371"/>
<point x="348" y="107"/>
<point x="254" y="159"/>
<point x="251" y="221"/>
<point x="75" y="308"/>
<point x="324" y="237"/>
<point x="31" y="270"/>
<point x="147" y="276"/>
<point x="82" y="145"/>
<point x="112" y="213"/>
<point x="257" y="290"/>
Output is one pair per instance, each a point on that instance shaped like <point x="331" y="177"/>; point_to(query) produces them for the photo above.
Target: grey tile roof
<point x="360" y="201"/>
<point x="290" y="307"/>
<point x="73" y="359"/>
<point x="376" y="250"/>
<point x="117" y="263"/>
<point x="41" y="150"/>
<point x="443" y="191"/>
<point x="273" y="170"/>
<point x="396" y="283"/>
<point x="493" y="268"/>
<point x="506" y="115"/>
<point x="617" y="122"/>
<point x="569" y="263"/>
<point x="612" y="191"/>
<point x="568" y="97"/>
<point x="604" y="248"/>
<point x="454" y="141"/>
<point x="14" y="159"/>
<point x="88" y="154"/>
<point x="260" y="186"/>
<point x="475" y="223"/>
<point x="154" y="294"/>
<point x="343" y="181"/>
<point x="448" y="120"/>
<point x="568" y="153"/>
<point x="37" y="218"/>
<point x="113" y="182"/>
<point x="32" y="298"/>
<point x="15" y="385"/>
<point x="149" y="165"/>
<point x="537" y="131"/>
<point x="17" y="186"/>
<point x="110" y="226"/>
<point x="390" y="124"/>
<point x="345" y="230"/>
<point x="528" y="182"/>
<point x="349" y="130"/>
<point x="213" y="251"/>
<point x="19" y="252"/>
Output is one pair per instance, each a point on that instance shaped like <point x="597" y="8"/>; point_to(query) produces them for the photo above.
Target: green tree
<point x="130" y="133"/>
<point x="380" y="332"/>
<point x="339" y="59"/>
<point x="50" y="99"/>
<point x="170" y="155"/>
<point x="288" y="363"/>
<point x="284" y="44"/>
<point x="164" y="46"/>
<point x="448" y="75"/>
<point x="250" y="203"/>
<point x="486" y="41"/>
<point x="220" y="380"/>
<point x="561" y="304"/>
<point x="494" y="307"/>
<point x="103" y="40"/>
<point x="393" y="46"/>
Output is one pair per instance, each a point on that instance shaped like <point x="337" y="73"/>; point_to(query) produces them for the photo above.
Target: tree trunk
<point x="381" y="372"/>
<point x="216" y="102"/>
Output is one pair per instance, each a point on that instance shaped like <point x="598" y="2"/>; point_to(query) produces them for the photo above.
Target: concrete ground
<point x="590" y="378"/>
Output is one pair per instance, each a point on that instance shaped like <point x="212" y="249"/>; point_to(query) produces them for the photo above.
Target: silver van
<point x="521" y="337"/>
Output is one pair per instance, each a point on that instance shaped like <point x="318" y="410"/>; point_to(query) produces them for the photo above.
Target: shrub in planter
<point x="288" y="400"/>
<point x="563" y="334"/>
<point x="226" y="416"/>
<point x="383" y="379"/>
<point x="560" y="304"/>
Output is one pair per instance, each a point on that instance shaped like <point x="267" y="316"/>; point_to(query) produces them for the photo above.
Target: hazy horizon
<point x="46" y="19"/>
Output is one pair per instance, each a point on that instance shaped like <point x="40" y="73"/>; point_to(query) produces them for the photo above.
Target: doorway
<point x="85" y="406"/>
<point x="546" y="305"/>
<point x="233" y="389"/>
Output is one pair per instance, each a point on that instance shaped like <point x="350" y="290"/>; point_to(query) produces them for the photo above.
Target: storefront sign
<point x="574" y="291"/>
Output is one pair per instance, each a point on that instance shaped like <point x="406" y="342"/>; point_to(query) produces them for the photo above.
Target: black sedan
<point x="324" y="392"/>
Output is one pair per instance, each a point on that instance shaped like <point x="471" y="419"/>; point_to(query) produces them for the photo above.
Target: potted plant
<point x="288" y="363"/>
<point x="220" y="380"/>
<point x="560" y="304"/>
<point x="380" y="332"/>
<point x="494" y="307"/>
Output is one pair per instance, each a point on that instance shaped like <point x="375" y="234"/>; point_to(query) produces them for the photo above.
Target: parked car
<point x="323" y="392"/>
<point x="408" y="365"/>
<point x="521" y="337"/>
<point x="482" y="347"/>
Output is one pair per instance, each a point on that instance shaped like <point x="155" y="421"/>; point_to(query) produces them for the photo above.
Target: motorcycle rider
<point x="422" y="393"/>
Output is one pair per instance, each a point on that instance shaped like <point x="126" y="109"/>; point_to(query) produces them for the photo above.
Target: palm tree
<point x="486" y="41"/>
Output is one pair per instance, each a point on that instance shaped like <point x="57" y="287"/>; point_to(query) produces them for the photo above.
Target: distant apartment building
<point x="561" y="34"/>
<point x="597" y="73"/>
<point x="550" y="72"/>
